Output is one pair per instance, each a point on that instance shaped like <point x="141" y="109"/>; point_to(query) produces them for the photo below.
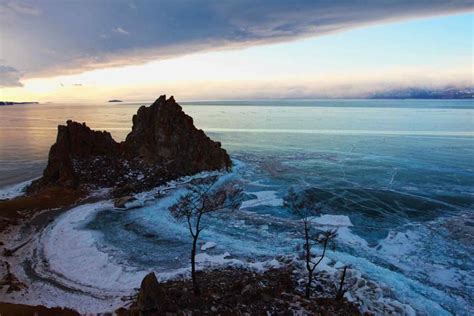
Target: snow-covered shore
<point x="66" y="264"/>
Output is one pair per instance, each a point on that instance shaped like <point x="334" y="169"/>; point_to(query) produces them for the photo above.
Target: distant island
<point x="424" y="93"/>
<point x="113" y="101"/>
<point x="13" y="103"/>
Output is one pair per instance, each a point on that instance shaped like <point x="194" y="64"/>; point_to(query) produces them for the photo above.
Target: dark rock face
<point x="77" y="144"/>
<point x="163" y="145"/>
<point x="121" y="202"/>
<point x="151" y="294"/>
<point x="162" y="134"/>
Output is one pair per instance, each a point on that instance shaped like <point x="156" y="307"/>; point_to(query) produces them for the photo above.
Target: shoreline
<point x="53" y="288"/>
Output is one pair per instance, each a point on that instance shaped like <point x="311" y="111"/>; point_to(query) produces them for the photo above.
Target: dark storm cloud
<point x="46" y="36"/>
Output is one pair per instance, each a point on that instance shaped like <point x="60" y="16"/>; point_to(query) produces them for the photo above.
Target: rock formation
<point x="77" y="144"/>
<point x="234" y="291"/>
<point x="151" y="294"/>
<point x="162" y="134"/>
<point x="163" y="145"/>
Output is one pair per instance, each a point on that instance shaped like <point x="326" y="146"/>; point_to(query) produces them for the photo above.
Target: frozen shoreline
<point x="94" y="283"/>
<point x="15" y="190"/>
<point x="68" y="265"/>
<point x="66" y="268"/>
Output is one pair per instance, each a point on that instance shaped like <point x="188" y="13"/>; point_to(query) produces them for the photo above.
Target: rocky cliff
<point x="164" y="144"/>
<point x="163" y="135"/>
<point x="76" y="144"/>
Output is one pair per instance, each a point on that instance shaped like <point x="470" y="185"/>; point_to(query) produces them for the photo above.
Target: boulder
<point x="151" y="294"/>
<point x="122" y="201"/>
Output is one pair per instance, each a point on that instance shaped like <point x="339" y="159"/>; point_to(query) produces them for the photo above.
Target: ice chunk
<point x="208" y="245"/>
<point x="332" y="220"/>
<point x="268" y="198"/>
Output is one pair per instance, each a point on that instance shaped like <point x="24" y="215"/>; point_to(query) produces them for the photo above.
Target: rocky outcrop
<point x="121" y="202"/>
<point x="77" y="144"/>
<point x="234" y="291"/>
<point x="162" y="134"/>
<point x="163" y="145"/>
<point x="151" y="295"/>
<point x="40" y="310"/>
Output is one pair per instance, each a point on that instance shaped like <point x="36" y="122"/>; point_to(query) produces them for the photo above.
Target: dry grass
<point x="14" y="210"/>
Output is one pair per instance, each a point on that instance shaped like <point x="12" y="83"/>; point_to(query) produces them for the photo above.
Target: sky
<point x="89" y="51"/>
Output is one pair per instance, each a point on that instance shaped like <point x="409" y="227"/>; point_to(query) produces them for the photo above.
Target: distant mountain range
<point x="423" y="93"/>
<point x="13" y="103"/>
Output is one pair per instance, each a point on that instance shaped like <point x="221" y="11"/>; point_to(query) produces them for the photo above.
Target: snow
<point x="65" y="244"/>
<point x="420" y="250"/>
<point x="332" y="220"/>
<point x="415" y="294"/>
<point x="342" y="224"/>
<point x="15" y="190"/>
<point x="216" y="259"/>
<point x="79" y="259"/>
<point x="208" y="245"/>
<point x="80" y="275"/>
<point x="268" y="198"/>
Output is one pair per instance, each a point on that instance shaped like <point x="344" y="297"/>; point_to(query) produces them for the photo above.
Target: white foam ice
<point x="65" y="267"/>
<point x="411" y="262"/>
<point x="402" y="249"/>
<point x="422" y="252"/>
<point x="216" y="259"/>
<point x="204" y="260"/>
<point x="342" y="224"/>
<point x="71" y="251"/>
<point x="76" y="270"/>
<point x="208" y="245"/>
<point x="15" y="190"/>
<point x="74" y="258"/>
<point x="268" y="198"/>
<point x="412" y="294"/>
<point x="332" y="220"/>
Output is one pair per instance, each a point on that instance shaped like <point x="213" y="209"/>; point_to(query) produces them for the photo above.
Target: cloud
<point x="19" y="8"/>
<point x="121" y="31"/>
<point x="9" y="77"/>
<point x="84" y="34"/>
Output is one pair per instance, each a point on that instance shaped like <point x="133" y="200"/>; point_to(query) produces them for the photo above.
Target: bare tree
<point x="201" y="200"/>
<point x="304" y="208"/>
<point x="341" y="291"/>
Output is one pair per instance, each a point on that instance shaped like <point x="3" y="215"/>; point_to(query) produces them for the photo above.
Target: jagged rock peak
<point x="81" y="141"/>
<point x="163" y="134"/>
<point x="164" y="144"/>
<point x="75" y="141"/>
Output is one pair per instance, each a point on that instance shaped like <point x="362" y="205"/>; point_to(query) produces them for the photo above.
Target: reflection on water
<point x="27" y="131"/>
